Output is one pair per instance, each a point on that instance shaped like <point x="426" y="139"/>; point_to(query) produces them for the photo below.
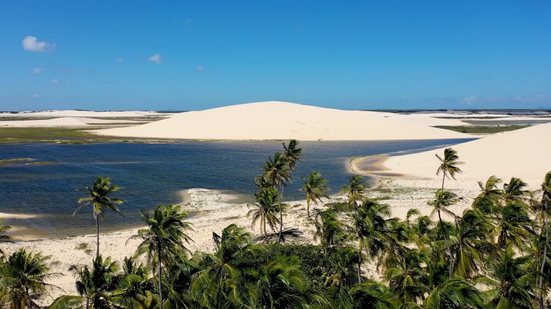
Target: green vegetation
<point x="52" y="135"/>
<point x="495" y="254"/>
<point x="62" y="136"/>
<point x="483" y="129"/>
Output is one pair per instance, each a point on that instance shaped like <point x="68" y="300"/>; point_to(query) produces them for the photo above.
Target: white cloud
<point x="156" y="59"/>
<point x="32" y="44"/>
<point x="199" y="68"/>
<point x="38" y="70"/>
<point x="119" y="60"/>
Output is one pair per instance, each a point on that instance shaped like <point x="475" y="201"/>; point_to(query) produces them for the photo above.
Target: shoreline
<point x="197" y="196"/>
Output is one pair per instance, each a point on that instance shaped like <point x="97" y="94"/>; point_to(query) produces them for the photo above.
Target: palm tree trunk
<point x="160" y="279"/>
<point x="28" y="298"/>
<point x="439" y="216"/>
<point x="97" y="237"/>
<point x="542" y="267"/>
<point x="360" y="260"/>
<point x="87" y="302"/>
<point x="307" y="205"/>
<point x="452" y="260"/>
<point x="443" y="179"/>
<point x="280" y="215"/>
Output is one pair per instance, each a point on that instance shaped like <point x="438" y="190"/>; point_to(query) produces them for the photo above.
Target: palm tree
<point x="162" y="239"/>
<point x="97" y="286"/>
<point x="329" y="229"/>
<point x="456" y="293"/>
<point x="217" y="282"/>
<point x="469" y="244"/>
<point x="315" y="187"/>
<point x="488" y="201"/>
<point x="515" y="189"/>
<point x="442" y="200"/>
<point x="277" y="173"/>
<point x="292" y="153"/>
<point x="512" y="283"/>
<point x="372" y="230"/>
<point x="514" y="225"/>
<point x="99" y="198"/>
<point x="354" y="190"/>
<point x="448" y="165"/>
<point x="134" y="285"/>
<point x="280" y="284"/>
<point x="407" y="278"/>
<point x="23" y="278"/>
<point x="266" y="207"/>
<point x="543" y="210"/>
<point x="372" y="295"/>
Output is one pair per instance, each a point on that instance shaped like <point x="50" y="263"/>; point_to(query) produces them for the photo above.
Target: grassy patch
<point x="84" y="247"/>
<point x="58" y="135"/>
<point x="482" y="129"/>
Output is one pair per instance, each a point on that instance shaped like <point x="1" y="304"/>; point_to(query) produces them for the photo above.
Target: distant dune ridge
<point x="79" y="113"/>
<point x="282" y="120"/>
<point x="524" y="153"/>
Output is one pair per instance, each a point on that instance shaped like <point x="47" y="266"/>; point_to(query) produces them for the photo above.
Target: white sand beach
<point x="524" y="153"/>
<point x="76" y="122"/>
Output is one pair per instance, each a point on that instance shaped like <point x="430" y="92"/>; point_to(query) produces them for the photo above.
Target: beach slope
<point x="524" y="153"/>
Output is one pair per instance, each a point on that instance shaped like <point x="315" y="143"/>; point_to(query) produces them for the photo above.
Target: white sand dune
<point x="54" y="122"/>
<point x="82" y="113"/>
<point x="63" y="122"/>
<point x="524" y="153"/>
<point x="281" y="120"/>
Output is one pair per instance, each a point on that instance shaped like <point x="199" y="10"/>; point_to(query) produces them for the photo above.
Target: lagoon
<point x="47" y="179"/>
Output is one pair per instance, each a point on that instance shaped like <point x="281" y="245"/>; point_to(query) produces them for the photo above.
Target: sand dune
<point x="82" y="113"/>
<point x="54" y="122"/>
<point x="282" y="120"/>
<point x="524" y="153"/>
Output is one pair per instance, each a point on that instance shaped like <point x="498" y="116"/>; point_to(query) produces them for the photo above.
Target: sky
<point x="192" y="55"/>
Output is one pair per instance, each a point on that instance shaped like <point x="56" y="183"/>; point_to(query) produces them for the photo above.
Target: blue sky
<point x="182" y="55"/>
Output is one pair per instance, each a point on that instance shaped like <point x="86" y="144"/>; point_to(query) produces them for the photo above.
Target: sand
<point x="82" y="113"/>
<point x="64" y="122"/>
<point x="282" y="120"/>
<point x="524" y="153"/>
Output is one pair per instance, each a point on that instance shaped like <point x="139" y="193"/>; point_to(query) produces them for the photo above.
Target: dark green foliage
<point x="483" y="129"/>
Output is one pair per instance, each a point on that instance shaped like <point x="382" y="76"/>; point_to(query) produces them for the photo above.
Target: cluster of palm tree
<point x="495" y="254"/>
<point x="269" y="206"/>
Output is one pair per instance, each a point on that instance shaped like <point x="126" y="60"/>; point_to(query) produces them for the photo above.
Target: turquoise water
<point x="49" y="182"/>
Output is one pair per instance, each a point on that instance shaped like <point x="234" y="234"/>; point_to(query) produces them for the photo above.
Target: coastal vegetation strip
<point x="62" y="136"/>
<point x="485" y="129"/>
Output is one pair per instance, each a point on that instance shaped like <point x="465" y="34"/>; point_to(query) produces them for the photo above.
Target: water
<point x="149" y="174"/>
